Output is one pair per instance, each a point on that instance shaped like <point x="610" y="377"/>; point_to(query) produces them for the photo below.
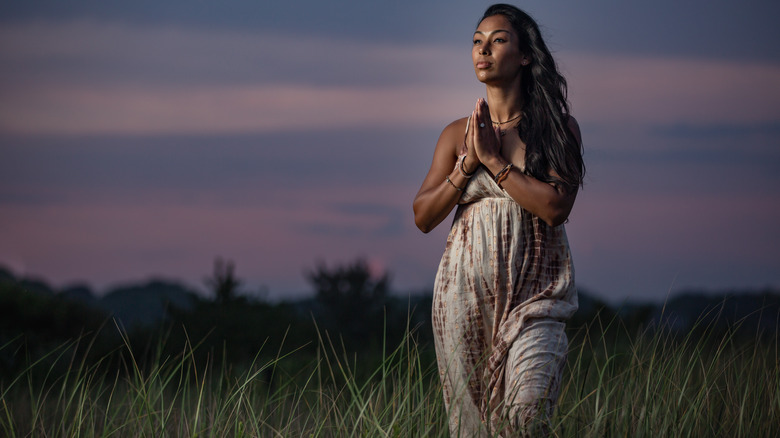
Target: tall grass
<point x="704" y="383"/>
<point x="332" y="394"/>
<point x="653" y="384"/>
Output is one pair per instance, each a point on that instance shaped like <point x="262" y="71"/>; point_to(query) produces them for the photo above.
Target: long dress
<point x="503" y="291"/>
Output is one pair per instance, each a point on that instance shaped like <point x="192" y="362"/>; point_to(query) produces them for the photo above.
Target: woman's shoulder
<point x="573" y="123"/>
<point x="574" y="127"/>
<point x="453" y="136"/>
<point x="457" y="126"/>
<point x="455" y="130"/>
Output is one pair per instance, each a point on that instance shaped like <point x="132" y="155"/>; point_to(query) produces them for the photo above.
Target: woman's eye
<point x="477" y="42"/>
<point x="499" y="40"/>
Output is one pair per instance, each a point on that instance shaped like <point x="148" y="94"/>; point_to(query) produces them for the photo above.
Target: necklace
<point x="502" y="131"/>
<point x="510" y="120"/>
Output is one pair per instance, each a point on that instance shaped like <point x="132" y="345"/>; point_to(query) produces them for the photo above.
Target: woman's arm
<point x="437" y="196"/>
<point x="549" y="202"/>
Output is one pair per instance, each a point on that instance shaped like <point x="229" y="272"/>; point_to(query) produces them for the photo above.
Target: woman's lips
<point x="483" y="64"/>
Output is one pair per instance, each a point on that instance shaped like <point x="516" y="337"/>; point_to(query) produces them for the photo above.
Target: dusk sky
<point x="144" y="139"/>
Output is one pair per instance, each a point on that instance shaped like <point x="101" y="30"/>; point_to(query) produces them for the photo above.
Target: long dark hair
<point x="550" y="144"/>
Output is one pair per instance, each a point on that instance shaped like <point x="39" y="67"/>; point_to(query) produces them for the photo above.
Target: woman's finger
<point x="481" y="112"/>
<point x="480" y="115"/>
<point x="474" y="126"/>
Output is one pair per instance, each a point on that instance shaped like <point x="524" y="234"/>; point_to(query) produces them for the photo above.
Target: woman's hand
<point x="482" y="139"/>
<point x="471" y="162"/>
<point x="444" y="183"/>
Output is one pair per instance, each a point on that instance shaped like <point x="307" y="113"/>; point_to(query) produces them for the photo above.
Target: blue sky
<point x="145" y="138"/>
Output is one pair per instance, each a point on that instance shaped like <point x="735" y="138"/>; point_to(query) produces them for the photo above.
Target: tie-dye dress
<point x="504" y="288"/>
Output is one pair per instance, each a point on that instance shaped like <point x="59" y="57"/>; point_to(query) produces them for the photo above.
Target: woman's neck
<point x="505" y="102"/>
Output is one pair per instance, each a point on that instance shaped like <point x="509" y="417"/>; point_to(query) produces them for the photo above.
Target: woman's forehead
<point x="494" y="23"/>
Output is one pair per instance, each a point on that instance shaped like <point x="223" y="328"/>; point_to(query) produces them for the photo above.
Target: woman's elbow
<point x="421" y="222"/>
<point x="556" y="216"/>
<point x="424" y="225"/>
<point x="424" y="228"/>
<point x="555" y="220"/>
<point x="556" y="210"/>
<point x="427" y="216"/>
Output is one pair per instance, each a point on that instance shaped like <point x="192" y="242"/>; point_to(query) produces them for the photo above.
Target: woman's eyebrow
<point x="488" y="33"/>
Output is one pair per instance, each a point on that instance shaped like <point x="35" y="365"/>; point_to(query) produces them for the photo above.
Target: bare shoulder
<point x="453" y="134"/>
<point x="574" y="127"/>
<point x="456" y="128"/>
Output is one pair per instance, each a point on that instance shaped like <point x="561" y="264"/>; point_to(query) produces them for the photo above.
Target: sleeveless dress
<point x="503" y="291"/>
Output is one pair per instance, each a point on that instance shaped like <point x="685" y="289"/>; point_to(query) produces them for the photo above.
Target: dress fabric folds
<point x="503" y="291"/>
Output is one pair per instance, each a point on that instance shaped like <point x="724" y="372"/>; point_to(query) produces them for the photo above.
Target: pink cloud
<point x="679" y="226"/>
<point x="276" y="238"/>
<point x="284" y="230"/>
<point x="272" y="242"/>
<point x="228" y="109"/>
<point x="643" y="90"/>
<point x="623" y="92"/>
<point x="157" y="80"/>
<point x="119" y="79"/>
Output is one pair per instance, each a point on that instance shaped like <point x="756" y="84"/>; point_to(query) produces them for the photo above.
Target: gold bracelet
<point x="447" y="178"/>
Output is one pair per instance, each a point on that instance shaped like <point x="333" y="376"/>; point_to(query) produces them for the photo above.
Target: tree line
<point x="351" y="312"/>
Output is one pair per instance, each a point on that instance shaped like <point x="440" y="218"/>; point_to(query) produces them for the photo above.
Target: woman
<point x="505" y="285"/>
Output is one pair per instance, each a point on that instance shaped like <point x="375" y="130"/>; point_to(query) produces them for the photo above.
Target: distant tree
<point x="146" y="304"/>
<point x="224" y="282"/>
<point x="6" y="275"/>
<point x="32" y="324"/>
<point x="79" y="292"/>
<point x="351" y="300"/>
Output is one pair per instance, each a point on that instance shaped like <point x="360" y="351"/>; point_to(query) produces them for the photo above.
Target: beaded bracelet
<point x="501" y="176"/>
<point x="447" y="178"/>
<point x="459" y="166"/>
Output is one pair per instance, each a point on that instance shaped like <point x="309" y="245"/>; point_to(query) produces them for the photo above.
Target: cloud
<point x="731" y="131"/>
<point x="129" y="148"/>
<point x="272" y="237"/>
<point x="353" y="219"/>
<point x="227" y="109"/>
<point x="355" y="19"/>
<point x="722" y="29"/>
<point x="230" y="168"/>
<point x="669" y="90"/>
<point x="83" y="77"/>
<point x="642" y="244"/>
<point x="86" y="52"/>
<point x="719" y="29"/>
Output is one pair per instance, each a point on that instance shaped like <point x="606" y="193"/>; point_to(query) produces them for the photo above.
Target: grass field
<point x="647" y="385"/>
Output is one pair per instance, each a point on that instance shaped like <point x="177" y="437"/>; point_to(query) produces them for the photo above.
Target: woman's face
<point x="496" y="51"/>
